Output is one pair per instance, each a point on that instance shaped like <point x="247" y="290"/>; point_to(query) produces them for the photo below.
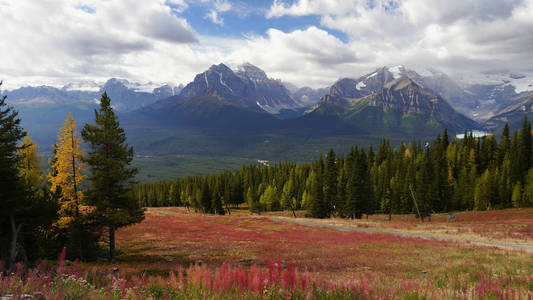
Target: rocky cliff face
<point x="407" y="96"/>
<point x="364" y="85"/>
<point x="269" y="94"/>
<point x="512" y="114"/>
<point x="400" y="105"/>
<point x="410" y="97"/>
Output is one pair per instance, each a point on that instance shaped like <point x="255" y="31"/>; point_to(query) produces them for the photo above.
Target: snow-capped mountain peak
<point x="82" y="85"/>
<point x="247" y="70"/>
<point x="397" y="71"/>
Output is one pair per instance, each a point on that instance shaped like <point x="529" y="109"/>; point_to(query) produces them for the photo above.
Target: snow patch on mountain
<point x="397" y="71"/>
<point x="521" y="82"/>
<point x="268" y="108"/>
<point x="142" y="87"/>
<point x="223" y="83"/>
<point x="360" y="85"/>
<point x="83" y="85"/>
<point x="372" y="75"/>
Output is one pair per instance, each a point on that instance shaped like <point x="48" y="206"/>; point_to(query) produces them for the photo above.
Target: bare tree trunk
<point x="390" y="209"/>
<point x="227" y="208"/>
<point x="15" y="230"/>
<point x="292" y="208"/>
<point x="293" y="213"/>
<point x="111" y="243"/>
<point x="416" y="204"/>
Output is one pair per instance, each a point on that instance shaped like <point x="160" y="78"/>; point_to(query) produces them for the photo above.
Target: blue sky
<point x="304" y="42"/>
<point x="247" y="18"/>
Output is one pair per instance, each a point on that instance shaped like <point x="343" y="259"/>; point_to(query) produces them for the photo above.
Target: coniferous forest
<point x="448" y="174"/>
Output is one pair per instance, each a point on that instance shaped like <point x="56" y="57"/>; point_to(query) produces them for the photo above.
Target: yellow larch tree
<point x="66" y="177"/>
<point x="30" y="166"/>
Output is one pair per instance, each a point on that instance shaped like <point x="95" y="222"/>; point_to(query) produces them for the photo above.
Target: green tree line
<point x="70" y="206"/>
<point x="445" y="175"/>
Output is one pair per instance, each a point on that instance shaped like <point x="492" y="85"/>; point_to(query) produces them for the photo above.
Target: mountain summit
<point x="248" y="87"/>
<point x="401" y="105"/>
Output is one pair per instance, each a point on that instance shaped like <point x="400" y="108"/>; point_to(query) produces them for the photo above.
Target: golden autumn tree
<point x="30" y="166"/>
<point x="66" y="177"/>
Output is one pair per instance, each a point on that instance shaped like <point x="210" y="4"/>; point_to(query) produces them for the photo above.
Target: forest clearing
<point x="376" y="265"/>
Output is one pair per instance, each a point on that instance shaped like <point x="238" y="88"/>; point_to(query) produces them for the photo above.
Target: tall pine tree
<point x="109" y="160"/>
<point x="12" y="193"/>
<point x="330" y="182"/>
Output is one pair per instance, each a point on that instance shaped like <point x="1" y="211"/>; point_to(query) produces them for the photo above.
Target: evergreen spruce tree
<point x="227" y="198"/>
<point x="516" y="198"/>
<point x="316" y="207"/>
<point x="288" y="195"/>
<point x="527" y="196"/>
<point x="330" y="182"/>
<point x="515" y="161"/>
<point x="486" y="193"/>
<point x="205" y="196"/>
<point x="109" y="159"/>
<point x="341" y="192"/>
<point x="505" y="186"/>
<point x="216" y="198"/>
<point x="253" y="202"/>
<point x="505" y="143"/>
<point x="445" y="140"/>
<point x="13" y="198"/>
<point x="31" y="169"/>
<point x="525" y="149"/>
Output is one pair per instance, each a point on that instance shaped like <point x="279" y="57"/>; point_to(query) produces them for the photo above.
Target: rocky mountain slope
<point x="512" y="114"/>
<point x="248" y="87"/>
<point x="401" y="105"/>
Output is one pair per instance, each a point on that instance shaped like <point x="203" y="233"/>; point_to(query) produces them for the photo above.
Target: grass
<point x="174" y="254"/>
<point x="507" y="226"/>
<point x="241" y="239"/>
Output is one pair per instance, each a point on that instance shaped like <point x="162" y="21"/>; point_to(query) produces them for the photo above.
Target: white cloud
<point x="306" y="57"/>
<point x="454" y="35"/>
<point x="222" y="5"/>
<point x="213" y="16"/>
<point x="219" y="6"/>
<point x="58" y="41"/>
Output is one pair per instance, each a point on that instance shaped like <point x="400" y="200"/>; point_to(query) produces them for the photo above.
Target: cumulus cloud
<point x="306" y="57"/>
<point x="65" y="36"/>
<point x="454" y="35"/>
<point x="58" y="41"/>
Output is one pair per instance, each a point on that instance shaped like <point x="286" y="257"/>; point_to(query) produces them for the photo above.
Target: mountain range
<point x="244" y="112"/>
<point x="43" y="109"/>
